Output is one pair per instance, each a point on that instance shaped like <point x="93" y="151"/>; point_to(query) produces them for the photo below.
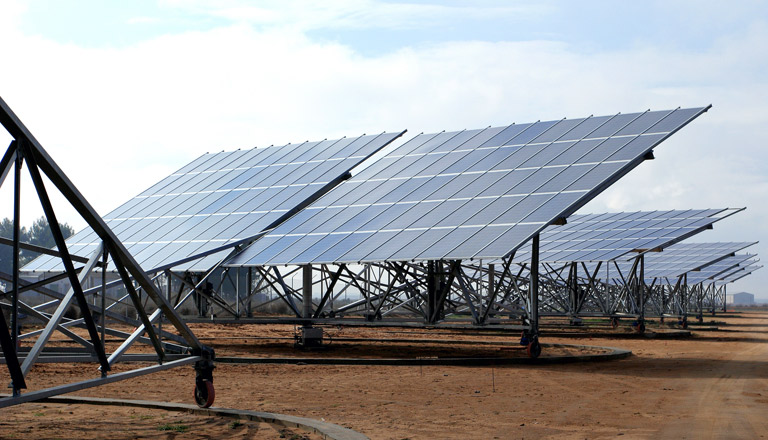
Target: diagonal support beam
<point x="496" y="288"/>
<point x="328" y="291"/>
<point x="288" y="298"/>
<point x="10" y="355"/>
<point x="145" y="320"/>
<point x="8" y="160"/>
<point x="20" y="132"/>
<point x="57" y="316"/>
<point x="58" y="237"/>
<point x="44" y="319"/>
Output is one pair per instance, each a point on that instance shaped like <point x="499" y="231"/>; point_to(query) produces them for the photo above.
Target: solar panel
<point x="744" y="268"/>
<point x="219" y="200"/>
<point x="721" y="269"/>
<point x="684" y="258"/>
<point x="467" y="194"/>
<point x="610" y="236"/>
<point x="698" y="261"/>
<point x="731" y="278"/>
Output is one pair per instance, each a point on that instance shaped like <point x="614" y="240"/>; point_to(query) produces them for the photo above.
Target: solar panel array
<point x="737" y="275"/>
<point x="700" y="262"/>
<point x="468" y="194"/>
<point x="720" y="270"/>
<point x="221" y="199"/>
<point x="610" y="236"/>
<point x="744" y="269"/>
<point x="688" y="257"/>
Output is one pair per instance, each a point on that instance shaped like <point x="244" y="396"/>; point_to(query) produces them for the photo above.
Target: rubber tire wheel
<point x="614" y="323"/>
<point x="685" y="324"/>
<point x="205" y="394"/>
<point x="641" y="328"/>
<point x="534" y="349"/>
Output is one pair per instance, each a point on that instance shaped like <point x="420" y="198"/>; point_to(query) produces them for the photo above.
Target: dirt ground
<point x="712" y="385"/>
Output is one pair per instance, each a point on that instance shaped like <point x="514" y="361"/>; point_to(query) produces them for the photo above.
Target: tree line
<point x="38" y="234"/>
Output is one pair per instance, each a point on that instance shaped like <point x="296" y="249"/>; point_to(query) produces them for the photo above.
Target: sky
<point x="122" y="94"/>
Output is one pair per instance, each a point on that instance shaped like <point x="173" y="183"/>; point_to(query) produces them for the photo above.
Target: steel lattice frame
<point x="184" y="349"/>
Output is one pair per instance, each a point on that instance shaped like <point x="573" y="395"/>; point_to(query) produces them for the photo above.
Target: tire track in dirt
<point x="733" y="402"/>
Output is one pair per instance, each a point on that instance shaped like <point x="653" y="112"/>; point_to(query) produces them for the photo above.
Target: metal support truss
<point x="90" y="329"/>
<point x="439" y="293"/>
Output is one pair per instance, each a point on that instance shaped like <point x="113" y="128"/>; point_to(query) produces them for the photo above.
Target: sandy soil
<point x="713" y="385"/>
<point x="60" y="421"/>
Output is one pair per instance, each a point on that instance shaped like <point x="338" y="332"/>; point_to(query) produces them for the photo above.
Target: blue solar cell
<point x="559" y="131"/>
<point x="675" y="120"/>
<point x="643" y="123"/>
<point x="500" y="245"/>
<point x="596" y="176"/>
<point x="343" y="246"/>
<point x="333" y="149"/>
<point x="207" y="200"/>
<point x="291" y="252"/>
<point x="636" y="146"/>
<point x="393" y="244"/>
<point x="520" y="156"/>
<point x="533" y="132"/>
<point x="365" y="247"/>
<point x="554" y="167"/>
<point x="547" y="155"/>
<point x="562" y="178"/>
<point x="461" y="140"/>
<point x="278" y="244"/>
<point x="315" y="250"/>
<point x="459" y="211"/>
<point x="414" y="213"/>
<point x="483" y="137"/>
<point x="401" y="191"/>
<point x="380" y="221"/>
<point x="444" y="162"/>
<point x="613" y="125"/>
<point x="538" y="178"/>
<point x="435" y="143"/>
<point x="368" y="213"/>
<point x="416" y="244"/>
<point x="427" y="187"/>
<point x="584" y="130"/>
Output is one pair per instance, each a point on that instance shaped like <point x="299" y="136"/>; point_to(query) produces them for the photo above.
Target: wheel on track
<point x="204" y="393"/>
<point x="534" y="349"/>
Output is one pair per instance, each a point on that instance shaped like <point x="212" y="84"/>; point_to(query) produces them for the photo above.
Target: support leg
<point x="534" y="347"/>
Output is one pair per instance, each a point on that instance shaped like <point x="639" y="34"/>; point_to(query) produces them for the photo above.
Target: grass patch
<point x="143" y="417"/>
<point x="236" y="424"/>
<point x="175" y="427"/>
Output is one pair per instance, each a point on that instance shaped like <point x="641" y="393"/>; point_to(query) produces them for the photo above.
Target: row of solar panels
<point x="620" y="237"/>
<point x="717" y="263"/>
<point x="472" y="194"/>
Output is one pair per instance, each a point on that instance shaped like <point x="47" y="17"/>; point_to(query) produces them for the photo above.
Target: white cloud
<point x="344" y="14"/>
<point x="118" y="120"/>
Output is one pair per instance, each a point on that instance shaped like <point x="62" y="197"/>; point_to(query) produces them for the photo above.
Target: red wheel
<point x="204" y="394"/>
<point x="534" y="349"/>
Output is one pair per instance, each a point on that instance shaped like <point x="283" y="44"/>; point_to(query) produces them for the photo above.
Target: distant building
<point x="741" y="299"/>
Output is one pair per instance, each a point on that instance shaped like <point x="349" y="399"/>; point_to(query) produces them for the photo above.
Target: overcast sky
<point x="122" y="94"/>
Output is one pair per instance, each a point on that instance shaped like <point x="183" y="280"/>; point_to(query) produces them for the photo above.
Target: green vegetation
<point x="143" y="417"/>
<point x="38" y="234"/>
<point x="236" y="424"/>
<point x="175" y="427"/>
